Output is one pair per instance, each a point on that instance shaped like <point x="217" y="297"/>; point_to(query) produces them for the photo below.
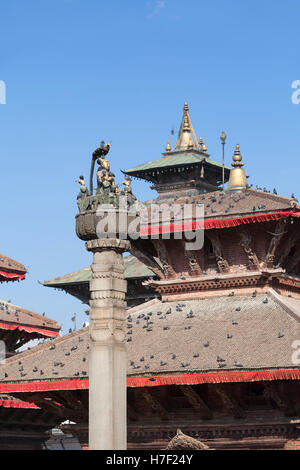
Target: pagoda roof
<point x="174" y="159"/>
<point x="236" y="338"/>
<point x="11" y="270"/>
<point x="35" y="325"/>
<point x="134" y="269"/>
<point x="227" y="209"/>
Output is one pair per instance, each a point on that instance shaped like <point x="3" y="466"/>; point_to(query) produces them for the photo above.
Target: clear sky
<point x="79" y="71"/>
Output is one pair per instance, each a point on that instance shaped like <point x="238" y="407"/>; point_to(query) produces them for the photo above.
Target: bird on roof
<point x="220" y="359"/>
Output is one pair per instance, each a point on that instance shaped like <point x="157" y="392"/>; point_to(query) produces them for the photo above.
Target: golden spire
<point x="237" y="179"/>
<point x="186" y="137"/>
<point x="168" y="147"/>
<point x="204" y="148"/>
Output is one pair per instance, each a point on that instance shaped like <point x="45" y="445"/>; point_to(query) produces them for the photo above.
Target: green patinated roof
<point x="133" y="269"/>
<point x="175" y="159"/>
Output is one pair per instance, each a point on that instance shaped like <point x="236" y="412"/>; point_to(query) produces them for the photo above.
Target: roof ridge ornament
<point x="238" y="178"/>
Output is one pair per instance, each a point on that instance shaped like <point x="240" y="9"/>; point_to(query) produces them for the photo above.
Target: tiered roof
<point x="11" y="270"/>
<point x="233" y="338"/>
<point x="134" y="269"/>
<point x="32" y="325"/>
<point x="188" y="153"/>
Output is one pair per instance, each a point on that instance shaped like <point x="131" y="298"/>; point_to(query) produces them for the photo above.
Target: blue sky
<point x="79" y="71"/>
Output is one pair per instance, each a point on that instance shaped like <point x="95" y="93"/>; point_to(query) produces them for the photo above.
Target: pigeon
<point x="219" y="359"/>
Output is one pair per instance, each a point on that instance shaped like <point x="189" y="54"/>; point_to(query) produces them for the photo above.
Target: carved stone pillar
<point x="107" y="353"/>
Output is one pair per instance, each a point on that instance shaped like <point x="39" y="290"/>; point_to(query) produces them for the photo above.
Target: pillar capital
<point x="104" y="244"/>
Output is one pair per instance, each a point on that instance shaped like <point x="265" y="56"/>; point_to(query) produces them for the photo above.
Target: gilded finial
<point x="200" y="142"/>
<point x="237" y="157"/>
<point x="204" y="148"/>
<point x="186" y="137"/>
<point x="238" y="178"/>
<point x="185" y="126"/>
<point x="168" y="147"/>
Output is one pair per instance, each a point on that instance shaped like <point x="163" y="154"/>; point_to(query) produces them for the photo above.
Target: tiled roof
<point x="174" y="159"/>
<point x="14" y="317"/>
<point x="133" y="269"/>
<point x="232" y="333"/>
<point x="8" y="264"/>
<point x="220" y="204"/>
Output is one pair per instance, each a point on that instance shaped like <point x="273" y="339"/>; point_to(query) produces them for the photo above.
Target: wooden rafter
<point x="156" y="406"/>
<point x="276" y="395"/>
<point x="229" y="402"/>
<point x="196" y="401"/>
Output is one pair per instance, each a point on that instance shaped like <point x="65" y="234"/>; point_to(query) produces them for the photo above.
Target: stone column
<point x="107" y="353"/>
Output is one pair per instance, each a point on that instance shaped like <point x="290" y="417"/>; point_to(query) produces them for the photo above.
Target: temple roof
<point x="13" y="317"/>
<point x="218" y="336"/>
<point x="188" y="152"/>
<point x="231" y="204"/>
<point x="188" y="157"/>
<point x="11" y="270"/>
<point x="134" y="269"/>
